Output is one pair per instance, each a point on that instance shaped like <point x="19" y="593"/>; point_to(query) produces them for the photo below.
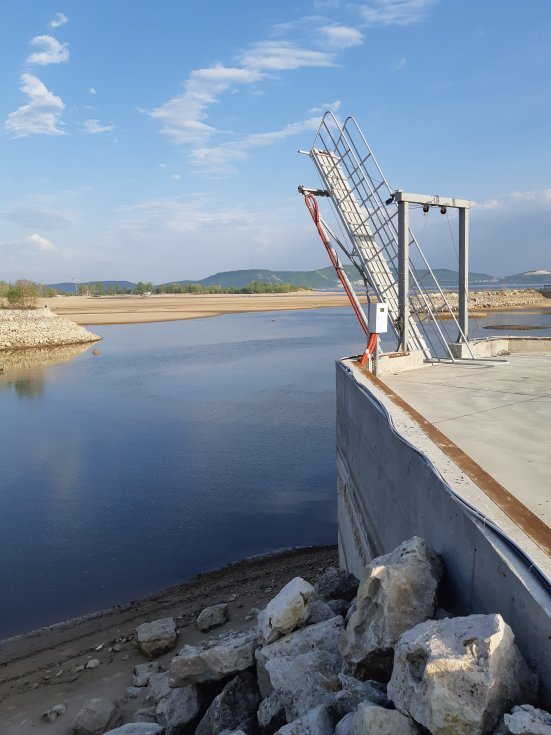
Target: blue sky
<point x="158" y="140"/>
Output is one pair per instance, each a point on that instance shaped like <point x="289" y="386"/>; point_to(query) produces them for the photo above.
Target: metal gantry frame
<point x="380" y="243"/>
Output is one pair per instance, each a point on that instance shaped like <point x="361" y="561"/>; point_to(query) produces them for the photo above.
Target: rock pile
<point x="21" y="328"/>
<point x="490" y="299"/>
<point x="380" y="666"/>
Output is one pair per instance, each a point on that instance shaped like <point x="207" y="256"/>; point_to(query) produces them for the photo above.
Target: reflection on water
<point x="183" y="446"/>
<point x="23" y="370"/>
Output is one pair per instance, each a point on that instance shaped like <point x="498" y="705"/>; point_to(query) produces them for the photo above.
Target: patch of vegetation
<point x="23" y="294"/>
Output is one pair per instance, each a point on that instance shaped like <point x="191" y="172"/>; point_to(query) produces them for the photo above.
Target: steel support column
<point x="403" y="272"/>
<point x="463" y="274"/>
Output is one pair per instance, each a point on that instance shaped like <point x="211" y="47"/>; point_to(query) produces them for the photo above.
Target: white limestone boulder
<point x="157" y="637"/>
<point x="344" y="725"/>
<point x="178" y="708"/>
<point x="353" y="691"/>
<point x="271" y="714"/>
<point x="138" y="728"/>
<point x="527" y="720"/>
<point x="323" y="636"/>
<point x="459" y="676"/>
<point x="305" y="681"/>
<point x="142" y="672"/>
<point x="316" y="721"/>
<point x="212" y="617"/>
<point x="232" y="654"/>
<point x="94" y="717"/>
<point x="286" y="611"/>
<point x="372" y="720"/>
<point x="397" y="591"/>
<point x="158" y="686"/>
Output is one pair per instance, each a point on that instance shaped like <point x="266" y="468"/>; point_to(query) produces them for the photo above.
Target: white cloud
<point x="221" y="159"/>
<point x="325" y="106"/>
<point x="182" y="117"/>
<point x="509" y="233"/>
<point x="488" y="204"/>
<point x="51" y="51"/>
<point x="541" y="197"/>
<point x="151" y="233"/>
<point x="177" y="215"/>
<point x="59" y="20"/>
<point x="40" y="243"/>
<point x="283" y="56"/>
<point x="217" y="159"/>
<point x="518" y="201"/>
<point x="38" y="215"/>
<point x="393" y="12"/>
<point x="176" y="177"/>
<point x="342" y="36"/>
<point x="94" y="126"/>
<point x="40" y="116"/>
<point x="92" y="90"/>
<point x="400" y="64"/>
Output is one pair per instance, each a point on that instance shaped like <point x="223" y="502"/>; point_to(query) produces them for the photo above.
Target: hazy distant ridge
<point x="326" y="278"/>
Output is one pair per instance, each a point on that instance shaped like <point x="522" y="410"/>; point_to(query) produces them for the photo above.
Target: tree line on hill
<point x="145" y="288"/>
<point x="24" y="294"/>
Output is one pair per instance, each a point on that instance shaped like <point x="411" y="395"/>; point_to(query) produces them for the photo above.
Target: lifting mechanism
<point x="379" y="243"/>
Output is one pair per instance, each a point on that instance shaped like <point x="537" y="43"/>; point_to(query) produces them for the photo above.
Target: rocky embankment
<point x="22" y="328"/>
<point x="507" y="299"/>
<point x="374" y="657"/>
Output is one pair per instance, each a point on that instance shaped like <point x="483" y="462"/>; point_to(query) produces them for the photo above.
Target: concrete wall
<point x="390" y="490"/>
<point x="492" y="346"/>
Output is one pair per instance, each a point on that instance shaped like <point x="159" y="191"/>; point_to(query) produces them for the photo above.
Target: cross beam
<point x="404" y="199"/>
<point x="433" y="200"/>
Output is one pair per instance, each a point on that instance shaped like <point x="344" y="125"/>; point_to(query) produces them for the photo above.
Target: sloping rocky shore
<point x="496" y="300"/>
<point x="22" y="328"/>
<point x="341" y="656"/>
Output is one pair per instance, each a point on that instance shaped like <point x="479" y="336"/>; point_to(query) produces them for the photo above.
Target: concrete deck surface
<point x="500" y="416"/>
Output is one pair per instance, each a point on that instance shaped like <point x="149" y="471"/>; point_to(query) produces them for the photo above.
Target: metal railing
<point x="364" y="203"/>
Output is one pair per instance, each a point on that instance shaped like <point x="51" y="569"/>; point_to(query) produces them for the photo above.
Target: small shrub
<point x="22" y="295"/>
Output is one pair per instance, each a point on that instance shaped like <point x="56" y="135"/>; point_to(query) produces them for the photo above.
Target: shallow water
<point x="182" y="446"/>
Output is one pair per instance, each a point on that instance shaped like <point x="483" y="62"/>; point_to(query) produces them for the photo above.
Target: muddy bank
<point x="40" y="668"/>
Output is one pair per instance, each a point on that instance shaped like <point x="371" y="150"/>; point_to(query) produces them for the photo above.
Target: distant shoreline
<point x="108" y="310"/>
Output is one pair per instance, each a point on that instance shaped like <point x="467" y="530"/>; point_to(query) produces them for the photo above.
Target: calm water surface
<point x="182" y="446"/>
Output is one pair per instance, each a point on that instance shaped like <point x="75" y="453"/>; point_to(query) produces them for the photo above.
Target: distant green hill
<point x="530" y="278"/>
<point x="448" y="278"/>
<point x="323" y="279"/>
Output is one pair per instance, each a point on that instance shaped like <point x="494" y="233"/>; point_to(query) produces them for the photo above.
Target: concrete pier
<point x="458" y="455"/>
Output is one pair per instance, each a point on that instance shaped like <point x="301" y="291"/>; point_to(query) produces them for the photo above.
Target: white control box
<point x="377" y="317"/>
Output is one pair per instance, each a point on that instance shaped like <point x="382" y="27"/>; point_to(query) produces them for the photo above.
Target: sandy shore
<point x="39" y="669"/>
<point x="87" y="310"/>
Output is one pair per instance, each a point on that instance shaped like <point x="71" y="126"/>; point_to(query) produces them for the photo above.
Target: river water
<point x="180" y="447"/>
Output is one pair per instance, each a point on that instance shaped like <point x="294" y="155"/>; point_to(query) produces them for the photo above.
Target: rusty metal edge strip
<point x="532" y="526"/>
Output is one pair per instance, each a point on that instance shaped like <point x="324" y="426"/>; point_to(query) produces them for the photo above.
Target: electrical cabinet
<point x="377" y="317"/>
